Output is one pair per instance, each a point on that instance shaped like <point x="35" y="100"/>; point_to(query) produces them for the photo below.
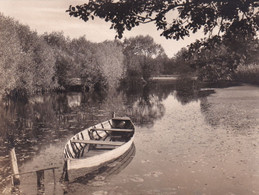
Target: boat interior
<point x="99" y="138"/>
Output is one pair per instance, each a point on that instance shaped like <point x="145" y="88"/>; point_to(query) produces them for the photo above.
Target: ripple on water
<point x="98" y="183"/>
<point x="101" y="192"/>
<point x="145" y="161"/>
<point x="153" y="174"/>
<point x="137" y="179"/>
<point x="99" y="178"/>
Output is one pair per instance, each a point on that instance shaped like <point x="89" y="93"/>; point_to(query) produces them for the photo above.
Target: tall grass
<point x="248" y="74"/>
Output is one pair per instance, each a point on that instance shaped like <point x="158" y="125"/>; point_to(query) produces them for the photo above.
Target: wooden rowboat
<point x="99" y="144"/>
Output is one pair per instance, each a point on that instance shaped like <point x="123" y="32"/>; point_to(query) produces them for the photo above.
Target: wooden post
<point x="40" y="178"/>
<point x="14" y="164"/>
<point x="65" y="171"/>
<point x="53" y="170"/>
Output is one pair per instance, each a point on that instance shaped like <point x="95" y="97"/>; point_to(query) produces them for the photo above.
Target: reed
<point x="248" y="74"/>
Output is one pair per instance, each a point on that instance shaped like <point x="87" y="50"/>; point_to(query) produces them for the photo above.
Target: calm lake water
<point x="189" y="140"/>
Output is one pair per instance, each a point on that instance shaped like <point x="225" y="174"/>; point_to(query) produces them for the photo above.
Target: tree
<point x="44" y="65"/>
<point x="76" y="60"/>
<point x="26" y="61"/>
<point x="143" y="46"/>
<point x="109" y="55"/>
<point x="226" y="16"/>
<point x="140" y="54"/>
<point x="229" y="25"/>
<point x="59" y="45"/>
<point x="85" y="64"/>
<point x="179" y="64"/>
<point x="217" y="58"/>
<point x="10" y="55"/>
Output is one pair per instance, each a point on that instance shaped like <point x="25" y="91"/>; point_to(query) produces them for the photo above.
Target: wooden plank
<point x="121" y="118"/>
<point x="104" y="147"/>
<point x="98" y="142"/>
<point x="14" y="164"/>
<point x="46" y="169"/>
<point x="112" y="129"/>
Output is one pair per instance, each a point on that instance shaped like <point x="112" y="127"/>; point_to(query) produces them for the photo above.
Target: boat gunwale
<point x="110" y="155"/>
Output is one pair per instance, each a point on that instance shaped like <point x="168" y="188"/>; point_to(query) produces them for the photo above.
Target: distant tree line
<point x="215" y="59"/>
<point x="219" y="58"/>
<point x="31" y="63"/>
<point x="231" y="30"/>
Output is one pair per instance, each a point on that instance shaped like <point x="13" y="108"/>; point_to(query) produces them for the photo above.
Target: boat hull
<point x="75" y="147"/>
<point x="100" y="159"/>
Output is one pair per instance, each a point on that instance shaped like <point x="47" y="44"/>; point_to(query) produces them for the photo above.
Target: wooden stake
<point x="113" y="114"/>
<point x="14" y="164"/>
<point x="65" y="171"/>
<point x="53" y="170"/>
<point x="40" y="178"/>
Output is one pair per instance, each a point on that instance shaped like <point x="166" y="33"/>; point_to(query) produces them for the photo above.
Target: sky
<point x="49" y="15"/>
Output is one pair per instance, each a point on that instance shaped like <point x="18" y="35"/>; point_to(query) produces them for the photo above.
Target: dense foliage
<point x="76" y="62"/>
<point x="26" y="61"/>
<point x="110" y="58"/>
<point x="175" y="18"/>
<point x="179" y="64"/>
<point x="219" y="57"/>
<point x="142" y="57"/>
<point x="230" y="25"/>
<point x="32" y="63"/>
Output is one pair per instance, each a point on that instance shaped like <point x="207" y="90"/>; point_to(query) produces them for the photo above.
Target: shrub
<point x="247" y="73"/>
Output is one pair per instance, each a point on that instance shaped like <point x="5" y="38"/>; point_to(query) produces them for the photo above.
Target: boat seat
<point x="111" y="143"/>
<point x="112" y="129"/>
<point x="121" y="118"/>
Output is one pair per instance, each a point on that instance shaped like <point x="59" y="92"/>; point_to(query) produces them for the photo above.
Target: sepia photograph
<point x="129" y="97"/>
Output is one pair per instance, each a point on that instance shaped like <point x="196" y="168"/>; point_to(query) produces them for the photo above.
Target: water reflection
<point x="112" y="168"/>
<point x="186" y="91"/>
<point x="146" y="107"/>
<point x="74" y="99"/>
<point x="40" y="125"/>
<point x="35" y="124"/>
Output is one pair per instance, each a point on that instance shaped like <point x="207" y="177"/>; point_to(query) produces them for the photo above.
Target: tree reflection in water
<point x="32" y="124"/>
<point x="146" y="102"/>
<point x="145" y="107"/>
<point x="44" y="120"/>
<point x="186" y="90"/>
